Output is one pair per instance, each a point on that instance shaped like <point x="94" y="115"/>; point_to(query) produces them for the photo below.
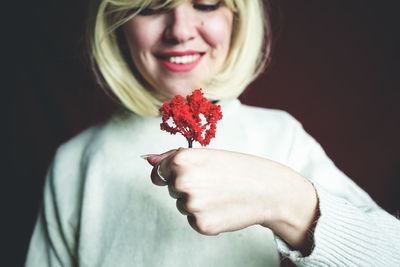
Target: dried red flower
<point x="196" y="119"/>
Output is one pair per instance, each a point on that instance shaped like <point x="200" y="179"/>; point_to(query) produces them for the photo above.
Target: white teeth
<point x="184" y="59"/>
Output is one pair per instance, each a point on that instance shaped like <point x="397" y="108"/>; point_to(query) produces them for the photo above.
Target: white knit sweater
<point x="101" y="209"/>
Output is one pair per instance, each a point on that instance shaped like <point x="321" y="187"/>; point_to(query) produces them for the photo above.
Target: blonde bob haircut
<point x="249" y="51"/>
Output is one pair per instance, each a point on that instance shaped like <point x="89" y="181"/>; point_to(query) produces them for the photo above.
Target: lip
<point x="175" y="67"/>
<point x="179" y="53"/>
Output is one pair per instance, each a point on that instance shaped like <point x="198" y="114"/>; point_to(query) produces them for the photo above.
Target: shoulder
<point x="259" y="119"/>
<point x="272" y="116"/>
<point x="115" y="131"/>
<point x="268" y="133"/>
<point x="91" y="168"/>
<point x="96" y="161"/>
<point x="90" y="146"/>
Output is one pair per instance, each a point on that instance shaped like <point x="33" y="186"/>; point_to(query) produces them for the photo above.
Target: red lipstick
<point x="177" y="65"/>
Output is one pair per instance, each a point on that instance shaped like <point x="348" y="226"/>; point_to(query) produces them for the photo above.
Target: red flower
<point x="196" y="119"/>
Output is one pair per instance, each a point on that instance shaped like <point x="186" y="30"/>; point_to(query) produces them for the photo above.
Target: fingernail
<point x="147" y="155"/>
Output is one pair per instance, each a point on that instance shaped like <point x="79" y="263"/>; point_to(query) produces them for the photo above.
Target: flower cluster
<point x="196" y="119"/>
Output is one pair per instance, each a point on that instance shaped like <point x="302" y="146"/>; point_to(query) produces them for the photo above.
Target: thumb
<point x="155" y="159"/>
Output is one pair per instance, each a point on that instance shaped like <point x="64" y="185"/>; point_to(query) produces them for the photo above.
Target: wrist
<point x="296" y="217"/>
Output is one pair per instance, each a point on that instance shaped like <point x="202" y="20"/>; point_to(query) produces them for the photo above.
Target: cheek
<point x="217" y="31"/>
<point x="141" y="35"/>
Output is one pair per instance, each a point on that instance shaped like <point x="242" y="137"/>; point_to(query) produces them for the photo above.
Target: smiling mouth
<point x="184" y="59"/>
<point x="180" y="61"/>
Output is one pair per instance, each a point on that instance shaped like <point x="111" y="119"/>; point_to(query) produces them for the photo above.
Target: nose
<point x="181" y="24"/>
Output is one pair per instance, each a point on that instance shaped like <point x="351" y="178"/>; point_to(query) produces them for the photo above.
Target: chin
<point x="182" y="90"/>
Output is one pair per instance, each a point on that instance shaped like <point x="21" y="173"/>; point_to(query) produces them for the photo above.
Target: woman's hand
<point x="223" y="191"/>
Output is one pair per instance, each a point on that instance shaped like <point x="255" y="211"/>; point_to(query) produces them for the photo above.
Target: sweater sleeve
<point x="352" y="229"/>
<point x="53" y="240"/>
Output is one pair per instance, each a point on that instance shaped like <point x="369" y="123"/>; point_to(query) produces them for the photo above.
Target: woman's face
<point x="179" y="50"/>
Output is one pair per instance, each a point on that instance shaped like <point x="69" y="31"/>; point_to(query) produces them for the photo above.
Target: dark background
<point x="335" y="68"/>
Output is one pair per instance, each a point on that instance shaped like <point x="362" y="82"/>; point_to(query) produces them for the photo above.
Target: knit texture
<point x="346" y="235"/>
<point x="101" y="209"/>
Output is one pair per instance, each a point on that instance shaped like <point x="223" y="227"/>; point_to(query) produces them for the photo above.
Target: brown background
<point x="334" y="68"/>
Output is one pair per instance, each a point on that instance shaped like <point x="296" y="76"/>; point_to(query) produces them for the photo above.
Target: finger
<point x="180" y="205"/>
<point x="192" y="222"/>
<point x="173" y="192"/>
<point x="155" y="159"/>
<point x="161" y="174"/>
<point x="200" y="226"/>
<point x="155" y="176"/>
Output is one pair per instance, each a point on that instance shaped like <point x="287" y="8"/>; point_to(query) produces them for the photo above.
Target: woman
<point x="265" y="186"/>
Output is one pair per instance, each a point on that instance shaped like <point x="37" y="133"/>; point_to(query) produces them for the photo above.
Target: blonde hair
<point x="247" y="57"/>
